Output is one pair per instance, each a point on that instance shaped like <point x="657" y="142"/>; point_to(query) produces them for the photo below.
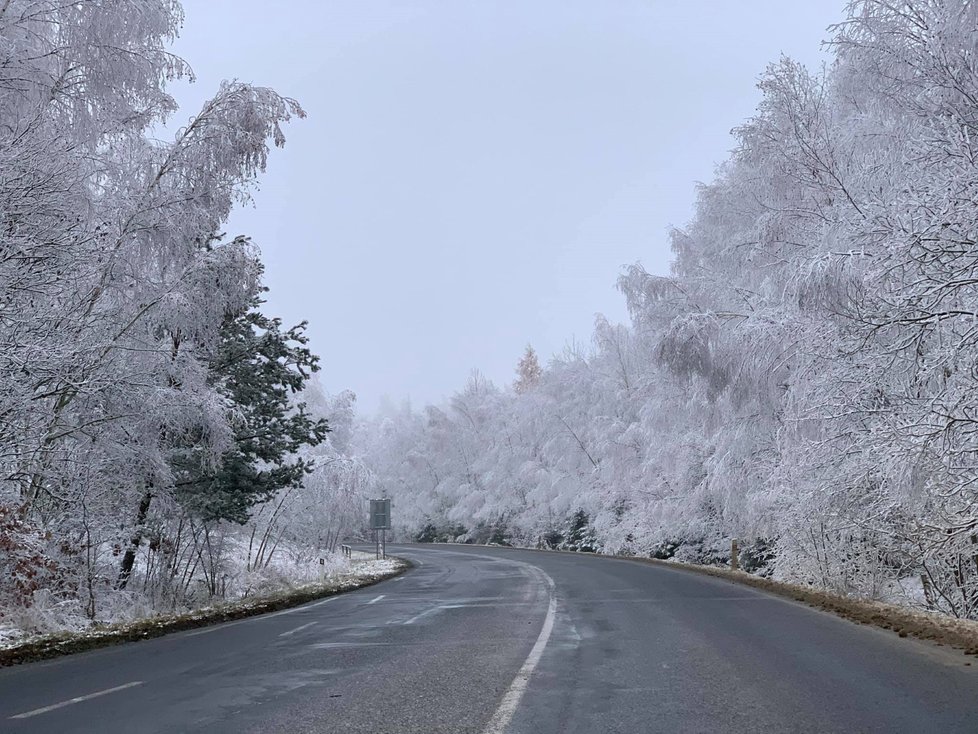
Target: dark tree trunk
<point x="129" y="559"/>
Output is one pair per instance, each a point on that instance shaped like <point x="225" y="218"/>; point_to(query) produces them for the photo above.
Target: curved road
<point x="492" y="640"/>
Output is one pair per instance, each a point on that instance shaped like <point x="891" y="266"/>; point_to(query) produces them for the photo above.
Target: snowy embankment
<point x="362" y="570"/>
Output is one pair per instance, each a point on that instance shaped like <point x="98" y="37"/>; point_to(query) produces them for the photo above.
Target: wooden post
<point x="734" y="555"/>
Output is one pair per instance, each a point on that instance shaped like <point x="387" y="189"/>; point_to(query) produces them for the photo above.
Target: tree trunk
<point x="129" y="559"/>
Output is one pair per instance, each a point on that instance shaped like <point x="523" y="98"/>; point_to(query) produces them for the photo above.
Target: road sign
<point x="380" y="523"/>
<point x="380" y="514"/>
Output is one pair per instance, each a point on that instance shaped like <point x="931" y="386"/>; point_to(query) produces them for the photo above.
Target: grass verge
<point x="55" y="645"/>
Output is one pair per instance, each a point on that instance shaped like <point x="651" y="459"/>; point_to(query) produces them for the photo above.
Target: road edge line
<point x="905" y="621"/>
<point x="514" y="694"/>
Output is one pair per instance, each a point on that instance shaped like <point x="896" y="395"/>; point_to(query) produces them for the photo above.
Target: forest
<point x="162" y="444"/>
<point x="804" y="380"/>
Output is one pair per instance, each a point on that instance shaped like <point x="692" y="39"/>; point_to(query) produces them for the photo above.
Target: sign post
<point x="380" y="523"/>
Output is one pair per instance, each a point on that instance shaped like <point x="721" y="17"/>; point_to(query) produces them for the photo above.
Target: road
<point x="491" y="640"/>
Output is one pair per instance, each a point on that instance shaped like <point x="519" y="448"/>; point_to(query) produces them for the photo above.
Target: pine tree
<point x="528" y="371"/>
<point x="259" y="367"/>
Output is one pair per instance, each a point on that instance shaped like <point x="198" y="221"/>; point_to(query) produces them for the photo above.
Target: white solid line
<point x="78" y="699"/>
<point x="300" y="627"/>
<point x="374" y="601"/>
<point x="507" y="707"/>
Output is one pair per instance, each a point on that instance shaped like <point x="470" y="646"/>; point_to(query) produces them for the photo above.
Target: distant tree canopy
<point x="804" y="377"/>
<point x="528" y="371"/>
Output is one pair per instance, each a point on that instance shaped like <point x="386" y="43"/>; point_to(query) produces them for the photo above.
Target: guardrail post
<point x="734" y="555"/>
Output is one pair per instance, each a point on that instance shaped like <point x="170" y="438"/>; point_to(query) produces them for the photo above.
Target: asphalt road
<point x="492" y="640"/>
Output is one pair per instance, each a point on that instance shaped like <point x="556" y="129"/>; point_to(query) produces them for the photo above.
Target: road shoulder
<point x="56" y="645"/>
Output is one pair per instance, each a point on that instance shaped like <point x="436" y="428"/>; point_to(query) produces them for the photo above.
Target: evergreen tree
<point x="258" y="367"/>
<point x="528" y="371"/>
<point x="580" y="534"/>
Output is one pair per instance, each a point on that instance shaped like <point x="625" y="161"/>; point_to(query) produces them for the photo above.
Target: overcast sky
<point x="472" y="176"/>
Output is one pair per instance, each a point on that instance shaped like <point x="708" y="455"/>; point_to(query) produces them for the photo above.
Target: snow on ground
<point x="339" y="574"/>
<point x="367" y="565"/>
<point x="10" y="635"/>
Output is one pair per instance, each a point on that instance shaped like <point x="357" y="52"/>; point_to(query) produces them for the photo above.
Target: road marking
<point x="425" y="613"/>
<point x="488" y="644"/>
<point x="507" y="707"/>
<point x="78" y="699"/>
<point x="214" y="628"/>
<point x="300" y="627"/>
<point x="374" y="601"/>
<point x="293" y="610"/>
<point x="258" y="617"/>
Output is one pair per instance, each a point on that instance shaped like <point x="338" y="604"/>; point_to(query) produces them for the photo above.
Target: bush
<point x="665" y="549"/>
<point x="451" y="533"/>
<point x="552" y="539"/>
<point x="756" y="556"/>
<point x="427" y="534"/>
<point x="580" y="534"/>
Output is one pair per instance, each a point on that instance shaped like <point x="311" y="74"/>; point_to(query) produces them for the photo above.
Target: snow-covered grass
<point x="225" y="569"/>
<point x="20" y="645"/>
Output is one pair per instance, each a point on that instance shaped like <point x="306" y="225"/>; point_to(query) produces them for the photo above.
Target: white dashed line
<point x="258" y="617"/>
<point x="374" y="601"/>
<point x="293" y="610"/>
<point x="78" y="699"/>
<point x="425" y="613"/>
<point x="300" y="627"/>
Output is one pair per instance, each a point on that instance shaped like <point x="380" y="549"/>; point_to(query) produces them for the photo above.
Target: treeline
<point x="805" y="379"/>
<point x="148" y="405"/>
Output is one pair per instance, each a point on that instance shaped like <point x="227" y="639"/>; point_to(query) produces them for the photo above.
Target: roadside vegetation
<point x="803" y="380"/>
<point x="358" y="574"/>
<point x="162" y="446"/>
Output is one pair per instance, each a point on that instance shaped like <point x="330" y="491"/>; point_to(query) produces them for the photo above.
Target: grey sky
<point x="472" y="176"/>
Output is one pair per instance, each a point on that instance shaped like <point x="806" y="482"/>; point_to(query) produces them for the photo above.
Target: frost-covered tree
<point x="259" y="367"/>
<point x="803" y="379"/>
<point x="118" y="294"/>
<point x="528" y="371"/>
